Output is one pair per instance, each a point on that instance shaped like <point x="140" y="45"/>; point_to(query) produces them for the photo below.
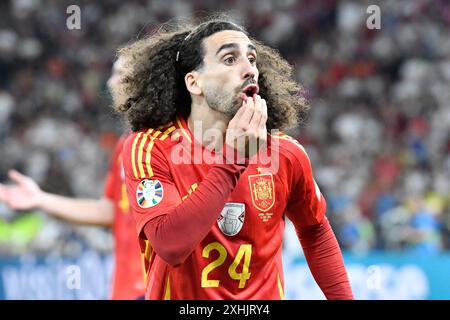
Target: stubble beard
<point x="224" y="102"/>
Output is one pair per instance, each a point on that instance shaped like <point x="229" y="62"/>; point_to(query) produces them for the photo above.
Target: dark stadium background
<point x="378" y="134"/>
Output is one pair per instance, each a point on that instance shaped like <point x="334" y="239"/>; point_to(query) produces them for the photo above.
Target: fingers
<point x="17" y="177"/>
<point x="252" y="116"/>
<point x="247" y="131"/>
<point x="237" y="117"/>
<point x="263" y="121"/>
<point x="254" y="123"/>
<point x="249" y="108"/>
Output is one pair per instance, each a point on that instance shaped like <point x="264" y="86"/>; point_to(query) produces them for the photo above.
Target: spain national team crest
<point x="149" y="193"/>
<point x="262" y="190"/>
<point x="231" y="219"/>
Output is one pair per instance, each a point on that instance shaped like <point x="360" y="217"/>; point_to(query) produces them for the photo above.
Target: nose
<point x="249" y="70"/>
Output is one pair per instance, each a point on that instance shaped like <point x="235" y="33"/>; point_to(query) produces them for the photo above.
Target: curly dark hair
<point x="158" y="63"/>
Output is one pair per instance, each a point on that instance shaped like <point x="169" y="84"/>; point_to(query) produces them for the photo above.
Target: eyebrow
<point x="234" y="46"/>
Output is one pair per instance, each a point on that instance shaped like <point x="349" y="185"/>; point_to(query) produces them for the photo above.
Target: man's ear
<point x="193" y="83"/>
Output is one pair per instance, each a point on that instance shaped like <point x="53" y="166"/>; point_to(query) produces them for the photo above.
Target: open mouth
<point x="250" y="90"/>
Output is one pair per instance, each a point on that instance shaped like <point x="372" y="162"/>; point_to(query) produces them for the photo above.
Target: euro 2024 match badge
<point x="149" y="193"/>
<point x="231" y="219"/>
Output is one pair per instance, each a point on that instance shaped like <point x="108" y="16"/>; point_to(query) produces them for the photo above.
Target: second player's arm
<point x="98" y="212"/>
<point x="26" y="194"/>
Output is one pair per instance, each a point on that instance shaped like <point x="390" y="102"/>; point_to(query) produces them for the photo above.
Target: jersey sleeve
<point x="150" y="187"/>
<point x="306" y="206"/>
<point x="108" y="189"/>
<point x="111" y="177"/>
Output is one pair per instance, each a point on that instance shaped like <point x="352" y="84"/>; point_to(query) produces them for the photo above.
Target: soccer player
<point x="213" y="230"/>
<point x="112" y="210"/>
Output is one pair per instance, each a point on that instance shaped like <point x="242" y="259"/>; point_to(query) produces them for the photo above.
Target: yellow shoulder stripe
<point x="133" y="154"/>
<point x="140" y="152"/>
<point x="167" y="132"/>
<point x="147" y="141"/>
<point x="148" y="156"/>
<point x="183" y="130"/>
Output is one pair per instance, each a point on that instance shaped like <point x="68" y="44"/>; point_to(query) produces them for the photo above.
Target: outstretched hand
<point x="23" y="194"/>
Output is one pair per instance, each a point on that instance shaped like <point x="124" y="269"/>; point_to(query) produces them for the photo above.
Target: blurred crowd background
<point x="378" y="132"/>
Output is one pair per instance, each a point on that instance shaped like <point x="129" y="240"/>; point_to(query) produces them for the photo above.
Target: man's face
<point x="114" y="82"/>
<point x="229" y="71"/>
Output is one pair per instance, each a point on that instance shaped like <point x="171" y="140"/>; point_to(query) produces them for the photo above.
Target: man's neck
<point x="208" y="126"/>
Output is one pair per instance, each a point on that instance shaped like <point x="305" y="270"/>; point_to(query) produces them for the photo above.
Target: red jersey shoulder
<point x="120" y="142"/>
<point x="161" y="137"/>
<point x="114" y="175"/>
<point x="290" y="149"/>
<point x="145" y="147"/>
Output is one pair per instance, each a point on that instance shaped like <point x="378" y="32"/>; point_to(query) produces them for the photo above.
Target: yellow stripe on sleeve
<point x="140" y="158"/>
<point x="156" y="134"/>
<point x="148" y="250"/>
<point x="133" y="154"/>
<point x="145" y="258"/>
<point x="167" y="294"/>
<point x="144" y="272"/>
<point x="148" y="157"/>
<point x="280" y="288"/>
<point x="183" y="130"/>
<point x="151" y="134"/>
<point x="166" y="133"/>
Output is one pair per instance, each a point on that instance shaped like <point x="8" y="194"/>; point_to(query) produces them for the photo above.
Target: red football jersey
<point x="240" y="258"/>
<point x="128" y="272"/>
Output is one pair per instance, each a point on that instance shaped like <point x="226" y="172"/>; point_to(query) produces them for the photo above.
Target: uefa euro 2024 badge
<point x="231" y="219"/>
<point x="149" y="193"/>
